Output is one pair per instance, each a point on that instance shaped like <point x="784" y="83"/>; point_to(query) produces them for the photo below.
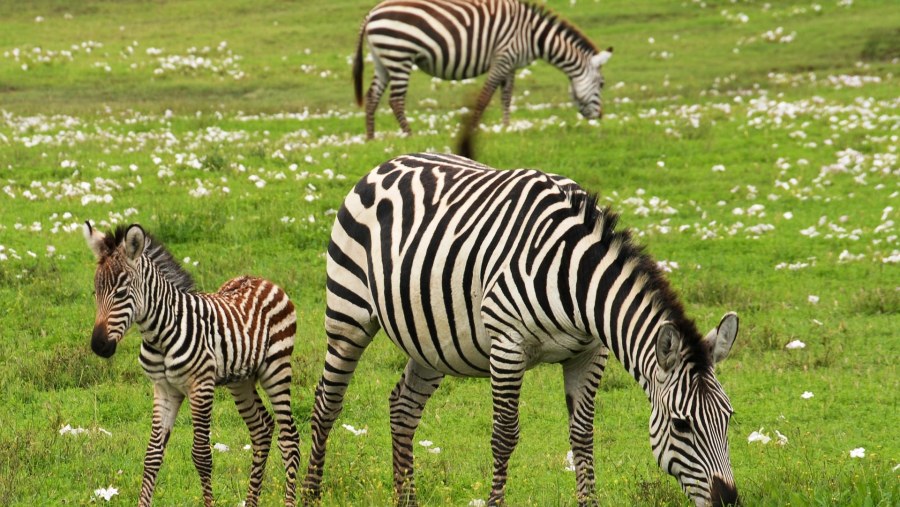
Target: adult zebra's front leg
<point x="408" y="400"/>
<point x="347" y="340"/>
<point x="582" y="376"/>
<point x="166" y="402"/>
<point x="507" y="370"/>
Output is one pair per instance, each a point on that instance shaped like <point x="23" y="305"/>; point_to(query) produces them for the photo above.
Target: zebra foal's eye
<point x="681" y="425"/>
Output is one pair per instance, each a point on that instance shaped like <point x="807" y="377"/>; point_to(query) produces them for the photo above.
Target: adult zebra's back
<point x="478" y="272"/>
<point x="459" y="39"/>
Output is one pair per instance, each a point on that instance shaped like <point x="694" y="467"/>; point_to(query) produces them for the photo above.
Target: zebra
<point x="190" y="342"/>
<point x="475" y="272"/>
<point x="459" y="39"/>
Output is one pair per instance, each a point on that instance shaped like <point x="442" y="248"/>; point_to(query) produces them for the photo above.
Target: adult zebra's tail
<point x="358" y="63"/>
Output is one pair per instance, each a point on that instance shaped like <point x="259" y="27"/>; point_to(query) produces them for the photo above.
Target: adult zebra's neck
<point x="618" y="293"/>
<point x="558" y="42"/>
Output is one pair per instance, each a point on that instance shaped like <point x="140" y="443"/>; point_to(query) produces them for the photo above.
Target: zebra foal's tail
<point x="358" y="63"/>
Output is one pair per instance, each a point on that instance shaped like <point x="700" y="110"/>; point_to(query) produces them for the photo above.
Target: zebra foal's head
<point x="585" y="86"/>
<point x="690" y="412"/>
<point x="115" y="289"/>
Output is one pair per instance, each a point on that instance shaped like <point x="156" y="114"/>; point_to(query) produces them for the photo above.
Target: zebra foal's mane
<point x="157" y="253"/>
<point x="585" y="204"/>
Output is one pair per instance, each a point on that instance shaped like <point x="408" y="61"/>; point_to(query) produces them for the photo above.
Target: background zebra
<point x="485" y="273"/>
<point x="459" y="39"/>
<point x="191" y="342"/>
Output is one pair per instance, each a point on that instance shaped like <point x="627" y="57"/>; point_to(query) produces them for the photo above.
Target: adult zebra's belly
<point x="457" y="352"/>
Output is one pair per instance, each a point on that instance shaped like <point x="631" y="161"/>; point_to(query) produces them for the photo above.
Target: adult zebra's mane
<point x="586" y="204"/>
<point x="581" y="41"/>
<point x="157" y="253"/>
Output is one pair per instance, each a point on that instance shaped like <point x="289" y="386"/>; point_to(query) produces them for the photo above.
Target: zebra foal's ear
<point x="721" y="339"/>
<point x="668" y="348"/>
<point x="94" y="240"/>
<point x="135" y="242"/>
<point x="602" y="57"/>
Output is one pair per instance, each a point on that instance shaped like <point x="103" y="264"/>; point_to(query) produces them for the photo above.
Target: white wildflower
<point x="355" y="431"/>
<point x="106" y="493"/>
<point x="782" y="440"/>
<point x="796" y="344"/>
<point x="570" y="461"/>
<point x="758" y="436"/>
<point x="221" y="447"/>
<point x="807" y="395"/>
<point x="859" y="452"/>
<point x="813" y="299"/>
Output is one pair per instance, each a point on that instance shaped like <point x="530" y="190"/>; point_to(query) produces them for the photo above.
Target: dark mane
<point x="581" y="41"/>
<point x="156" y="252"/>
<point x="586" y="204"/>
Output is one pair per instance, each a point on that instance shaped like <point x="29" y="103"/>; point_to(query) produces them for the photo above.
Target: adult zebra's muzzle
<point x="723" y="493"/>
<point x="100" y="342"/>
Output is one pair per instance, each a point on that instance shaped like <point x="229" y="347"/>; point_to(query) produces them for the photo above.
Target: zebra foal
<point x="459" y="39"/>
<point x="474" y="272"/>
<point x="191" y="342"/>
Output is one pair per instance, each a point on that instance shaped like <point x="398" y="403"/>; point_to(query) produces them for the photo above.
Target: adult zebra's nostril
<point x="100" y="342"/>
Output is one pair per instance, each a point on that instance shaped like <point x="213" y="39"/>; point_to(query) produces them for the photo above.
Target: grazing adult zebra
<point x="459" y="39"/>
<point x="474" y="272"/>
<point x="191" y="342"/>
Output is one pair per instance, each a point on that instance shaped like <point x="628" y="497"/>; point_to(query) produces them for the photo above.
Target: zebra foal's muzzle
<point x="100" y="342"/>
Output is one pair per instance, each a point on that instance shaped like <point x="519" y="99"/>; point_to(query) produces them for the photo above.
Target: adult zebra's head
<point x="115" y="281"/>
<point x="690" y="414"/>
<point x="585" y="85"/>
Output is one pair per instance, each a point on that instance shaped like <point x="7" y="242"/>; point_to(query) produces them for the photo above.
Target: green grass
<point x="726" y="97"/>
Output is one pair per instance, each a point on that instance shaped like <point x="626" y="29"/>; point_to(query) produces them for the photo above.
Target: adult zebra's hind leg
<point x="373" y="96"/>
<point x="506" y="97"/>
<point x="507" y="370"/>
<point x="408" y="400"/>
<point x="260" y="424"/>
<point x="582" y="376"/>
<point x="347" y="340"/>
<point x="399" y="77"/>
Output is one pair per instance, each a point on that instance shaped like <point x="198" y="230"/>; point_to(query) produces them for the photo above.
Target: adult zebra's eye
<point x="121" y="291"/>
<point x="681" y="425"/>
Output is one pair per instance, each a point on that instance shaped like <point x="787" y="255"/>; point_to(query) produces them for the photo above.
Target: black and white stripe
<point x="239" y="336"/>
<point x="475" y="272"/>
<point x="459" y="39"/>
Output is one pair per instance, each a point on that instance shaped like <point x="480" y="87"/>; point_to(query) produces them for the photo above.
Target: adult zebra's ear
<point x="95" y="240"/>
<point x="135" y="242"/>
<point x="668" y="349"/>
<point x="602" y="57"/>
<point x="722" y="337"/>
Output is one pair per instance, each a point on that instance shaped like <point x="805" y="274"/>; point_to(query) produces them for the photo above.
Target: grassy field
<point x="751" y="145"/>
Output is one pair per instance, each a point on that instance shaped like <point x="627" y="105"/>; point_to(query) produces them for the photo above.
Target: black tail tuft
<point x="468" y="129"/>
<point x="358" y="64"/>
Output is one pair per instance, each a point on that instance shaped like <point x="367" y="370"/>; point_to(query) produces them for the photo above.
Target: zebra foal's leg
<point x="276" y="381"/>
<point x="166" y="403"/>
<point x="408" y="400"/>
<point x="507" y="370"/>
<point x="260" y="424"/>
<point x="346" y="343"/>
<point x="582" y="376"/>
<point x="201" y="400"/>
